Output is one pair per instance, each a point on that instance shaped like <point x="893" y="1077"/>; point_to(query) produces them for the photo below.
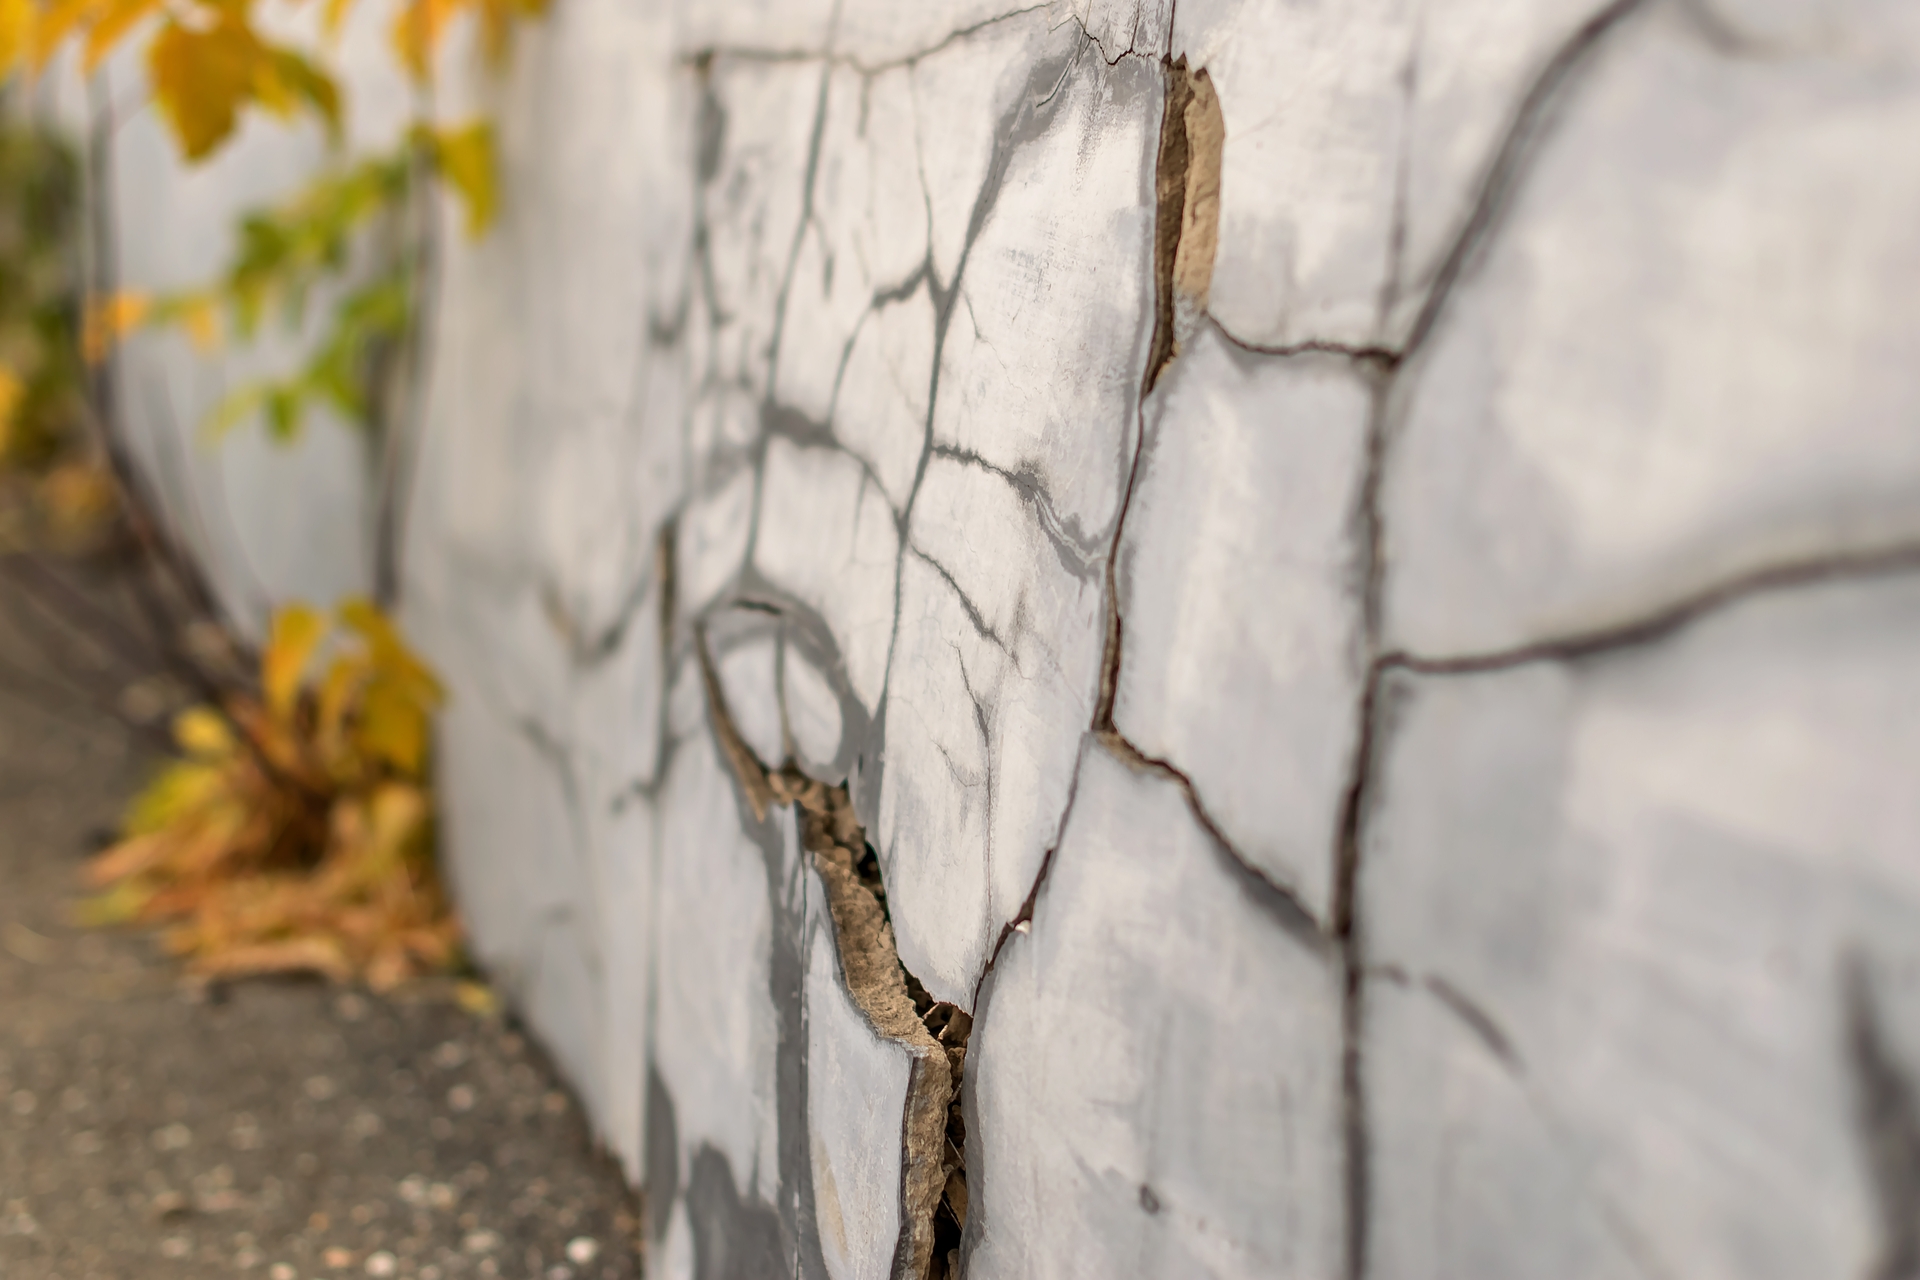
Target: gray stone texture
<point x="1239" y="600"/>
<point x="1156" y="1071"/>
<point x="1616" y="915"/>
<point x="1416" y="783"/>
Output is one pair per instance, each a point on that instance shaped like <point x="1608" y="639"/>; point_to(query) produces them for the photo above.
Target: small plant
<point x="296" y="833"/>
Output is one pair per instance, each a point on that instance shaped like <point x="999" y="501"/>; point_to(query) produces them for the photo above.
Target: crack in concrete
<point x="1186" y="224"/>
<point x="1276" y="899"/>
<point x="982" y="727"/>
<point x="1531" y="120"/>
<point x="1402" y="177"/>
<point x="1133" y="36"/>
<point x="1518" y="145"/>
<point x="1470" y="1012"/>
<point x="892" y="1000"/>
<point x="1477" y="1020"/>
<point x="1383" y="357"/>
<point x="746" y="53"/>
<point x="974" y="616"/>
<point x="1354" y="805"/>
<point x="1024" y="120"/>
<point x="1187" y="173"/>
<point x="1070" y="543"/>
<point x="1676" y="616"/>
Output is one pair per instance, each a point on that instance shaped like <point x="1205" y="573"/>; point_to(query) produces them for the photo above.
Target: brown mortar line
<point x="875" y="978"/>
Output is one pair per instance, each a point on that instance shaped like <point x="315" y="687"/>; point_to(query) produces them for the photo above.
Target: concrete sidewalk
<point x="276" y="1129"/>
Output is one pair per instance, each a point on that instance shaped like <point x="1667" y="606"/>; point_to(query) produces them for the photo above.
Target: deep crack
<point x="1186" y="224"/>
<point x="933" y="1198"/>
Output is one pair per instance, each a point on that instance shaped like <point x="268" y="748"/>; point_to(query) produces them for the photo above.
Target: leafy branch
<point x="286" y="252"/>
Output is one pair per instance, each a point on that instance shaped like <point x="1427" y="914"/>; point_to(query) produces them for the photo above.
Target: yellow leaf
<point x="181" y="791"/>
<point x="335" y="699"/>
<point x="388" y="652"/>
<point x="115" y="19"/>
<point x="54" y="24"/>
<point x="202" y="76"/>
<point x="393" y="727"/>
<point x="417" y="31"/>
<point x="204" y="732"/>
<point x="16" y="34"/>
<point x="110" y="319"/>
<point x="465" y="157"/>
<point x="11" y="392"/>
<point x="297" y="631"/>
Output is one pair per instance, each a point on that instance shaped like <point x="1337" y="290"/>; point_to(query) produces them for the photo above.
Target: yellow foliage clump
<point x="296" y="833"/>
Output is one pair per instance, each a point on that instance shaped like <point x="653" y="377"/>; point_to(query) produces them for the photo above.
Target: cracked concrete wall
<point x="1338" y="582"/>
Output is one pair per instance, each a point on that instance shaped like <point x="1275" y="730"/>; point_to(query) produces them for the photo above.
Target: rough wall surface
<point x="1340" y="581"/>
